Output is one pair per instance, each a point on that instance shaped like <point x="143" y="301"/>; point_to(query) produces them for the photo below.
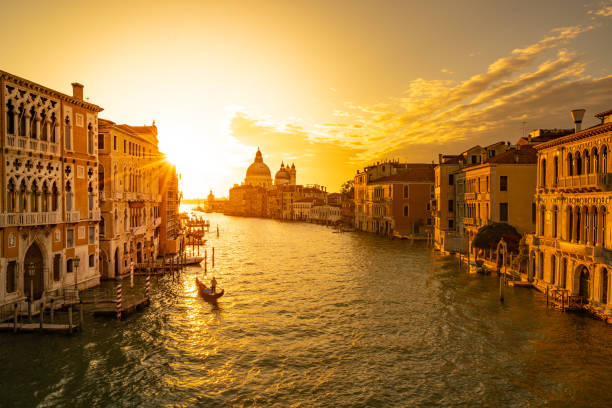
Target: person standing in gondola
<point x="213" y="284"/>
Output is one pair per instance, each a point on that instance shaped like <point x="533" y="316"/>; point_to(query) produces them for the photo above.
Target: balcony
<point x="468" y="221"/>
<point x="32" y="145"/>
<point x="129" y="196"/>
<point x="28" y="219"/>
<point x="140" y="230"/>
<point x="117" y="195"/>
<point x="73" y="216"/>
<point x="94" y="215"/>
<point x="586" y="182"/>
<point x="469" y="196"/>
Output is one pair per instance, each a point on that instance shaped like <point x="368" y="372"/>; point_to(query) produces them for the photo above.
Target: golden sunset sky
<point x="327" y="85"/>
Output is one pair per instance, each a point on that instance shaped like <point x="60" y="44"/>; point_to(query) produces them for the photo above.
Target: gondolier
<point x="213" y="284"/>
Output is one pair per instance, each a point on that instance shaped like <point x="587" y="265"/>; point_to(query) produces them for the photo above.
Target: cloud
<point x="538" y="84"/>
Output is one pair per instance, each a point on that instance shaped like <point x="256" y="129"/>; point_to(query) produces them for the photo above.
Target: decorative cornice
<point x="594" y="131"/>
<point x="43" y="89"/>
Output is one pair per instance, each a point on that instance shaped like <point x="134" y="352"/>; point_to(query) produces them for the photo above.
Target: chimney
<point x="577" y="115"/>
<point x="77" y="91"/>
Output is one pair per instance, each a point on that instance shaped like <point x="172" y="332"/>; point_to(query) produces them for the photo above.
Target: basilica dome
<point x="282" y="176"/>
<point x="258" y="173"/>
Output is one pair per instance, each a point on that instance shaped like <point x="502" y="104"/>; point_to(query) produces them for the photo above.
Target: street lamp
<point x="77" y="260"/>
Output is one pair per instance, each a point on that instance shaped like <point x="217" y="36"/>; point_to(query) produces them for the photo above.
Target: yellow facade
<point x="571" y="249"/>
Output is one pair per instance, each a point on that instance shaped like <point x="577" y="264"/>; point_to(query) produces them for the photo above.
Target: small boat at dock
<point x="205" y="292"/>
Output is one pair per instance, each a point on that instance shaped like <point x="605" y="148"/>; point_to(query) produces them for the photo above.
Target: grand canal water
<point x="313" y="318"/>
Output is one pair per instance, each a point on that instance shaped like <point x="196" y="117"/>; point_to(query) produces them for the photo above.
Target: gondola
<point x="204" y="292"/>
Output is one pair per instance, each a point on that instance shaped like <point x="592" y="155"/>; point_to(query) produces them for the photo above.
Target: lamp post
<point x="31" y="273"/>
<point x="77" y="260"/>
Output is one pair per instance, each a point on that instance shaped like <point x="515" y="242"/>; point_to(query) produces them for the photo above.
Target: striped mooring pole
<point x="147" y="284"/>
<point x="119" y="301"/>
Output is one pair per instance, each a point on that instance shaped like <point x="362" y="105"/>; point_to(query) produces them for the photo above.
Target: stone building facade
<point x="130" y="198"/>
<point x="572" y="245"/>
<point x="49" y="208"/>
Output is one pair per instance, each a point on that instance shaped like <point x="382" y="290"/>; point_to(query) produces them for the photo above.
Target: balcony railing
<point x="94" y="215"/>
<point x="590" y="182"/>
<point x="31" y="145"/>
<point x="468" y="221"/>
<point x="117" y="195"/>
<point x="28" y="219"/>
<point x="73" y="216"/>
<point x="469" y="196"/>
<point x="140" y="230"/>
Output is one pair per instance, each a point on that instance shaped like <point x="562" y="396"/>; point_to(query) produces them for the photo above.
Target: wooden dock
<point x="37" y="327"/>
<point x="129" y="305"/>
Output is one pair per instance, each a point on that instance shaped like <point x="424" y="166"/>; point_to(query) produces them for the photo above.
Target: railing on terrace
<point x="28" y="219"/>
<point x="593" y="181"/>
<point x="32" y="145"/>
<point x="73" y="216"/>
<point x="94" y="215"/>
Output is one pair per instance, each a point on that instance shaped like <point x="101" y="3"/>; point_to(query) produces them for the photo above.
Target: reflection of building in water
<point x="49" y="209"/>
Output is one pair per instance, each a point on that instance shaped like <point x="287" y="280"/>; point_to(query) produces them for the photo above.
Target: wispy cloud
<point x="537" y="83"/>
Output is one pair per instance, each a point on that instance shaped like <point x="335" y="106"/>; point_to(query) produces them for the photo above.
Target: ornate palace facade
<point x="49" y="210"/>
<point x="572" y="246"/>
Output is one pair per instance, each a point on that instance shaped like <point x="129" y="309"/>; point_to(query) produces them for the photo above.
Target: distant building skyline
<point x="402" y="81"/>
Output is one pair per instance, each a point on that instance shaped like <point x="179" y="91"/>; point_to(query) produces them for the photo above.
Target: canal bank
<point x="321" y="319"/>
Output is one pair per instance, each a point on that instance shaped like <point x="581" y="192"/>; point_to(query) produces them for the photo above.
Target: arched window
<point x="405" y="211"/>
<point x="578" y="164"/>
<point x="587" y="162"/>
<point x="603" y="226"/>
<point x="53" y="128"/>
<point x="595" y="160"/>
<point x="10" y="118"/>
<point x="553" y="269"/>
<point x="68" y="196"/>
<point x="563" y="273"/>
<point x="34" y="197"/>
<point x="555" y="221"/>
<point x="406" y="191"/>
<point x="44" y="131"/>
<point x="45" y="198"/>
<point x="578" y="224"/>
<point x="33" y="124"/>
<point x="67" y="133"/>
<point x="541" y="266"/>
<point x="556" y="170"/>
<point x="594" y="223"/>
<point x="23" y="197"/>
<point x="90" y="139"/>
<point x="542" y="220"/>
<point x="570" y="223"/>
<point x="570" y="165"/>
<point x="604" y="159"/>
<point x="11" y="199"/>
<point x="54" y="197"/>
<point x="543" y="173"/>
<point x="22" y="121"/>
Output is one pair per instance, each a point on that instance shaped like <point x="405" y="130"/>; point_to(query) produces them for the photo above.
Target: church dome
<point x="258" y="173"/>
<point x="282" y="176"/>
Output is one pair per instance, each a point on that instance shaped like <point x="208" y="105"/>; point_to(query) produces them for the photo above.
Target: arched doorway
<point x="103" y="265"/>
<point x="583" y="289"/>
<point x="33" y="278"/>
<point x="116" y="262"/>
<point x="139" y="253"/>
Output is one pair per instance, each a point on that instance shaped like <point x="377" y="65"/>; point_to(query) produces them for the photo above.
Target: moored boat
<point x="205" y="292"/>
